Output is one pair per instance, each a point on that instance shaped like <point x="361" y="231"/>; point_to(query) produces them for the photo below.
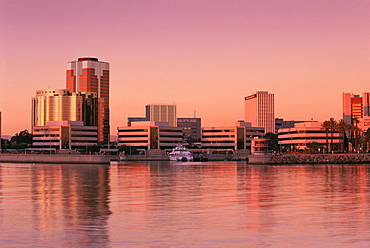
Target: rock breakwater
<point x="320" y="159"/>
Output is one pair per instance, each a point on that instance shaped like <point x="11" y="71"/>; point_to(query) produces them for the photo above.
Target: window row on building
<point x="149" y="135"/>
<point x="298" y="137"/>
<point x="158" y="135"/>
<point x="64" y="135"/>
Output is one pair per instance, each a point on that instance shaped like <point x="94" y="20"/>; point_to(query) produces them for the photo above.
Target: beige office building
<point x="63" y="105"/>
<point x="149" y="135"/>
<point x="233" y="136"/>
<point x="61" y="135"/>
<point x="298" y="137"/>
<point x="259" y="110"/>
<point x="162" y="113"/>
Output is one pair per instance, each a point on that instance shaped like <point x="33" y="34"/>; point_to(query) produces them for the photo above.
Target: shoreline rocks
<point x="320" y="159"/>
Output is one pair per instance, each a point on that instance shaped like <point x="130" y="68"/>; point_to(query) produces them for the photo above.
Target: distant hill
<point x="7" y="137"/>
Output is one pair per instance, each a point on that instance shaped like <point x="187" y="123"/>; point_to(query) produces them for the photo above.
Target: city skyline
<point x="203" y="56"/>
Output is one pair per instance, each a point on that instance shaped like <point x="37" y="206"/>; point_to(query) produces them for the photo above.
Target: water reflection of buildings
<point x="213" y="202"/>
<point x="300" y="196"/>
<point x="72" y="200"/>
<point x="159" y="196"/>
<point x="257" y="186"/>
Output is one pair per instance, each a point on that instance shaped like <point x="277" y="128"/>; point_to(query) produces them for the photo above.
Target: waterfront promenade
<point x="352" y="158"/>
<point x="55" y="158"/>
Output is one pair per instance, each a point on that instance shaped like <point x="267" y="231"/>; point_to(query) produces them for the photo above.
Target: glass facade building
<point x="63" y="105"/>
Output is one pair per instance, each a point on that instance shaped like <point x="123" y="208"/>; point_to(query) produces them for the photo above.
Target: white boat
<point x="180" y="153"/>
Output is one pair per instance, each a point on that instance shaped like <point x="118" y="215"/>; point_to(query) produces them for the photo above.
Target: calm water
<point x="163" y="204"/>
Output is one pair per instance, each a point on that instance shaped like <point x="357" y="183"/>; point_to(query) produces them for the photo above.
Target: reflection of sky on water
<point x="165" y="204"/>
<point x="234" y="203"/>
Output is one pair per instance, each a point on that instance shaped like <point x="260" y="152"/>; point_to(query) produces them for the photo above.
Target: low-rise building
<point x="149" y="135"/>
<point x="364" y="123"/>
<point x="134" y="119"/>
<point x="281" y="123"/>
<point x="64" y="135"/>
<point x="234" y="136"/>
<point x="260" y="146"/>
<point x="298" y="137"/>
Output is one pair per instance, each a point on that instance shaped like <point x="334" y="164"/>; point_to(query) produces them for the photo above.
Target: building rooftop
<point x="88" y="58"/>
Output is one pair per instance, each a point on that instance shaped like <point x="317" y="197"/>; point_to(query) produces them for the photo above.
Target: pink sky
<point x="202" y="55"/>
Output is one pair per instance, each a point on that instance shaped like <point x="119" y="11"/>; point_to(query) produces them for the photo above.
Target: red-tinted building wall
<point x="88" y="81"/>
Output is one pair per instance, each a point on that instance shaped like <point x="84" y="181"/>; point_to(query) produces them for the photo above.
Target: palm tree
<point x="351" y="129"/>
<point x="332" y="125"/>
<point x="342" y="127"/>
<point x="356" y="130"/>
<point x="325" y="126"/>
<point x="367" y="139"/>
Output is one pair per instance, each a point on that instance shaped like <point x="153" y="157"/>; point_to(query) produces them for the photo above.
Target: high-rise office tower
<point x="161" y="113"/>
<point x="63" y="105"/>
<point x="259" y="110"/>
<point x="355" y="106"/>
<point x="91" y="75"/>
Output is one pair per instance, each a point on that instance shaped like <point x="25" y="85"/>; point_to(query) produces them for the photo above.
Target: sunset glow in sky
<point x="205" y="56"/>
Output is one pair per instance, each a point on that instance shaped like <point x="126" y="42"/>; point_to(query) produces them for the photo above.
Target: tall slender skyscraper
<point x="259" y="110"/>
<point x="91" y="75"/>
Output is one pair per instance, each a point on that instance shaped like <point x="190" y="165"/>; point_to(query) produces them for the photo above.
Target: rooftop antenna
<point x="194" y="113"/>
